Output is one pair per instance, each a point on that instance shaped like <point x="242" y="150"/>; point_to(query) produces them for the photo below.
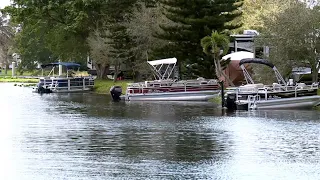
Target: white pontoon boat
<point x="63" y="83"/>
<point x="281" y="95"/>
<point x="166" y="88"/>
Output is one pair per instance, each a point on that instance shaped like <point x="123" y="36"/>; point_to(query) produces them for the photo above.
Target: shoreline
<point x="101" y="86"/>
<point x="18" y="80"/>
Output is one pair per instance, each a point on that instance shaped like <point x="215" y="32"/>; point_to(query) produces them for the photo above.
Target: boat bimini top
<point x="259" y="61"/>
<point x="163" y="68"/>
<point x="68" y="65"/>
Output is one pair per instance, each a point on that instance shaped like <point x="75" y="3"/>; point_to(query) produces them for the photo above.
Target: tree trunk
<point x="227" y="79"/>
<point x="116" y="71"/>
<point x="315" y="74"/>
<point x="6" y="68"/>
<point x="137" y="76"/>
<point x="102" y="70"/>
<point x="220" y="73"/>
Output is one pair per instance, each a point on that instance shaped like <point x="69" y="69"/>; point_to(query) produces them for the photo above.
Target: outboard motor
<point x="116" y="92"/>
<point x="42" y="90"/>
<point x="230" y="102"/>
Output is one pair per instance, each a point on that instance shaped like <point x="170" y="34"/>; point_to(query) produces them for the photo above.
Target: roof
<point x="163" y="61"/>
<point x="256" y="61"/>
<point x="66" y="64"/>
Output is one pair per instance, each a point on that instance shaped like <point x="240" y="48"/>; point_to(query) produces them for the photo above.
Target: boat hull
<point x="172" y="96"/>
<point x="64" y="85"/>
<point x="306" y="102"/>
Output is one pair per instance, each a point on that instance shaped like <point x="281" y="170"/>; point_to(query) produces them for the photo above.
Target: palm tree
<point x="216" y="46"/>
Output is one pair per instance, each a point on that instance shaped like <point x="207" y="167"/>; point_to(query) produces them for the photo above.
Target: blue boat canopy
<point x="66" y="64"/>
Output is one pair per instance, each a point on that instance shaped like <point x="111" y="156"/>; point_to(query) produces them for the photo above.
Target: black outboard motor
<point x="230" y="102"/>
<point x="42" y="90"/>
<point x="116" y="92"/>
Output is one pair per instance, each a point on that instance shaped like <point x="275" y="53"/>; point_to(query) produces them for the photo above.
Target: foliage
<point x="143" y="25"/>
<point x="127" y="42"/>
<point x="256" y="11"/>
<point x="99" y="51"/>
<point x="216" y="46"/>
<point x="117" y="32"/>
<point x="52" y="29"/>
<point x="6" y="36"/>
<point x="293" y="38"/>
<point x="195" y="19"/>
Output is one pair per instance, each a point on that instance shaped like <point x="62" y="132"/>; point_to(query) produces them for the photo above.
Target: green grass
<point x="216" y="99"/>
<point x="27" y="73"/>
<point x="103" y="86"/>
<point x="318" y="91"/>
<point x="19" y="80"/>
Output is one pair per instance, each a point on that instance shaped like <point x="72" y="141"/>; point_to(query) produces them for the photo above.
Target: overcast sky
<point x="4" y="3"/>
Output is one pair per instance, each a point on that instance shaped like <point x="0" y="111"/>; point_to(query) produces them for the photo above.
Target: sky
<point x="4" y="3"/>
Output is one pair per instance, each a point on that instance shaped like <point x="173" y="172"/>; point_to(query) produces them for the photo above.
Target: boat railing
<point x="252" y="100"/>
<point x="171" y="83"/>
<point x="67" y="83"/>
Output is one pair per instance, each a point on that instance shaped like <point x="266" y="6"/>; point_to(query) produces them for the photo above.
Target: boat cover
<point x="256" y="61"/>
<point x="163" y="61"/>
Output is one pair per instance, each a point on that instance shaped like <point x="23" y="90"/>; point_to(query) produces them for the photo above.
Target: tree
<point x="215" y="46"/>
<point x="293" y="38"/>
<point x="255" y="11"/>
<point x="119" y="13"/>
<point x="6" y="36"/>
<point x="144" y="24"/>
<point x="195" y="19"/>
<point x="124" y="36"/>
<point x="98" y="42"/>
<point x="53" y="28"/>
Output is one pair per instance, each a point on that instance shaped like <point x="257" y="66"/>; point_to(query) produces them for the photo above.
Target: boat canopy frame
<point x="68" y="65"/>
<point x="157" y="65"/>
<point x="247" y="76"/>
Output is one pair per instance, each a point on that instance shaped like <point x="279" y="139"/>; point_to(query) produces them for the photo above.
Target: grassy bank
<point x="318" y="91"/>
<point x="103" y="86"/>
<point x="19" y="80"/>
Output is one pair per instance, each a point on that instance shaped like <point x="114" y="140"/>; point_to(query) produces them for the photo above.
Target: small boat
<point x="63" y="83"/>
<point x="167" y="89"/>
<point x="281" y="95"/>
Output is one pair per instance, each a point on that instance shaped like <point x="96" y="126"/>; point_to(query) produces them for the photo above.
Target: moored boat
<point x="281" y="95"/>
<point x="167" y="89"/>
<point x="63" y="83"/>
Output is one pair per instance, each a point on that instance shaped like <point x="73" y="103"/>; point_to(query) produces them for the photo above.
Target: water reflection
<point x="87" y="136"/>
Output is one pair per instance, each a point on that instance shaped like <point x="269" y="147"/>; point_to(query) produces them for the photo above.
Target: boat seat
<point x="302" y="85"/>
<point x="257" y="86"/>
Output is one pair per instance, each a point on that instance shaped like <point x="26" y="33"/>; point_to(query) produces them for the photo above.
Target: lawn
<point x="9" y="73"/>
<point x="19" y="80"/>
<point x="103" y="86"/>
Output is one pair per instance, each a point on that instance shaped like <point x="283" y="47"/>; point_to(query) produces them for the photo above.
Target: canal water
<point x="87" y="136"/>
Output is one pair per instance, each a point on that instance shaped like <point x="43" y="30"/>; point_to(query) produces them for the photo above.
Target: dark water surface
<point x="86" y="136"/>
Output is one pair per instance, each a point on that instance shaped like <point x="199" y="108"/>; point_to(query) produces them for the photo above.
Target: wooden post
<point x="222" y="93"/>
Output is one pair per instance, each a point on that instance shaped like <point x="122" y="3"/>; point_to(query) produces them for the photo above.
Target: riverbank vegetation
<point x="102" y="86"/>
<point x="125" y="34"/>
<point x="18" y="80"/>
